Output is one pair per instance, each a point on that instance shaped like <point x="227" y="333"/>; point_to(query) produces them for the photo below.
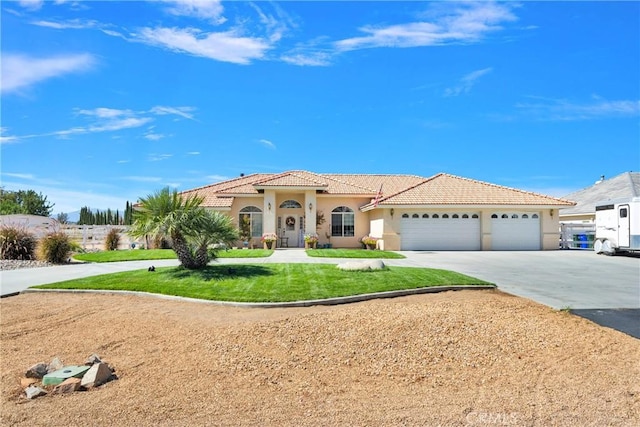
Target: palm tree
<point x="191" y="228"/>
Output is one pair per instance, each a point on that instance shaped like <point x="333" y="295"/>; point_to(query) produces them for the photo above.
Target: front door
<point x="290" y="229"/>
<point x="624" y="226"/>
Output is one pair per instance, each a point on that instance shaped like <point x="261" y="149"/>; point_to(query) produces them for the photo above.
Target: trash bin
<point x="583" y="238"/>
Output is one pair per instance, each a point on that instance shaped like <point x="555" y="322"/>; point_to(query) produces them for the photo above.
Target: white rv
<point x="617" y="226"/>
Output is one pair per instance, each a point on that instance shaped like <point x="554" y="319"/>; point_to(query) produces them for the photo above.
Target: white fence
<point x="93" y="237"/>
<point x="577" y="236"/>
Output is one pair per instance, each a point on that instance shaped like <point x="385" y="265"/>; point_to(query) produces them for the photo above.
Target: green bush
<point x="113" y="240"/>
<point x="16" y="243"/>
<point x="55" y="248"/>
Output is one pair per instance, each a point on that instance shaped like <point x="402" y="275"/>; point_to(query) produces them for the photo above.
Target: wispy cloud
<point x="228" y="46"/>
<point x="159" y="157"/>
<point x="75" y="24"/>
<point x="216" y="178"/>
<point x="203" y="9"/>
<point x="142" y="178"/>
<point x="153" y="136"/>
<point x="444" y="23"/>
<point x="193" y="153"/>
<point x="31" y="4"/>
<point x="185" y="112"/>
<point x="7" y="139"/>
<point x="565" y="110"/>
<point x="304" y="56"/>
<point x="104" y="119"/>
<point x="467" y="82"/>
<point x="22" y="71"/>
<point x="267" y="143"/>
<point x="25" y="176"/>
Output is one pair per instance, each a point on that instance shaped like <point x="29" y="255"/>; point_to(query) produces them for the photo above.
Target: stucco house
<point x="406" y="212"/>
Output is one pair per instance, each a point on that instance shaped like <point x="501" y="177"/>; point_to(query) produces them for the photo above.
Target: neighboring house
<point x="623" y="186"/>
<point x="443" y="212"/>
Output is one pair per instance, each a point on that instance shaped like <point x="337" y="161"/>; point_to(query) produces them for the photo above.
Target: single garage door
<point x="453" y="231"/>
<point x="515" y="231"/>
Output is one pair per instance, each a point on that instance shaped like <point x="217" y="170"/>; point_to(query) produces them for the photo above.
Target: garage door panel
<point x="516" y="232"/>
<point x="440" y="233"/>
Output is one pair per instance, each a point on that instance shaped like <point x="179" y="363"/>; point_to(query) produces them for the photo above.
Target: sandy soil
<point x="452" y="359"/>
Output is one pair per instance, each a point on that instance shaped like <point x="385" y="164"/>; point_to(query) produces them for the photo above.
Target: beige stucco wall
<point x="361" y="220"/>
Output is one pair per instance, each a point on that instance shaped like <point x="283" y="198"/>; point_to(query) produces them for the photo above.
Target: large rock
<point x="375" y="264"/>
<point x="68" y="386"/>
<point x="98" y="374"/>
<point x="38" y="370"/>
<point x="34" y="391"/>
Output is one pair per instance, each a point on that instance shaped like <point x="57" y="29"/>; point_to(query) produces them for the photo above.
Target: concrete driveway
<point x="604" y="289"/>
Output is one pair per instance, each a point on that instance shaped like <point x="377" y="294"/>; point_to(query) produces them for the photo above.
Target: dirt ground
<point x="466" y="358"/>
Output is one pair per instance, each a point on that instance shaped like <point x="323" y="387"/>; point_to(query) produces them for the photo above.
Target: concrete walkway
<point x="559" y="279"/>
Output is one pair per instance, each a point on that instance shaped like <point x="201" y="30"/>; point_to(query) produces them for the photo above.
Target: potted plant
<point x="268" y="239"/>
<point x="369" y="242"/>
<point x="310" y="240"/>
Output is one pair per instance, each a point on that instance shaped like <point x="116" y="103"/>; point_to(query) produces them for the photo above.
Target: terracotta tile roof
<point x="441" y="189"/>
<point x="445" y="189"/>
<point x="293" y="179"/>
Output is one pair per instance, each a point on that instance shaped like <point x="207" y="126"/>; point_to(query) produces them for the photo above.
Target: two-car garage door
<point x="440" y="231"/>
<point x="461" y="231"/>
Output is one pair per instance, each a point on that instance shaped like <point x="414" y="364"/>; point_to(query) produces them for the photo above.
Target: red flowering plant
<point x="268" y="238"/>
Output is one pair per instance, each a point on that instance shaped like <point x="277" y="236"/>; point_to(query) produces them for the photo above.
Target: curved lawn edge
<point x="304" y="303"/>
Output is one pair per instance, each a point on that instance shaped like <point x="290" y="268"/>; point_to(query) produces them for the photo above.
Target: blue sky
<point x="104" y="102"/>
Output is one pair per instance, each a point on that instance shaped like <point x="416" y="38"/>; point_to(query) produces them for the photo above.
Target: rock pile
<point x="56" y="378"/>
<point x="375" y="264"/>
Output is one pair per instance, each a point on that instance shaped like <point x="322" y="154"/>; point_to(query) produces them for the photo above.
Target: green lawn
<point x="268" y="282"/>
<point x="150" y="254"/>
<point x="353" y="253"/>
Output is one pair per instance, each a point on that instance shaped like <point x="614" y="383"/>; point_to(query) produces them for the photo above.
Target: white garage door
<point x="515" y="231"/>
<point x="440" y="231"/>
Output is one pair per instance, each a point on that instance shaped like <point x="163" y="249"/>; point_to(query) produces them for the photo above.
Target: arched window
<point x="505" y="216"/>
<point x="405" y="215"/>
<point x="435" y="216"/>
<point x="494" y="216"/>
<point x="415" y="216"/>
<point x="455" y="216"/>
<point x="525" y="216"/>
<point x="514" y="216"/>
<point x="290" y="204"/>
<point x="534" y="216"/>
<point x="465" y="216"/>
<point x="252" y="216"/>
<point x="425" y="216"/>
<point x="445" y="216"/>
<point x="342" y="222"/>
<point x="475" y="216"/>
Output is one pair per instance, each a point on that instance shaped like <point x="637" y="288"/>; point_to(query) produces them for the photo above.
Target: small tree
<point x="190" y="227"/>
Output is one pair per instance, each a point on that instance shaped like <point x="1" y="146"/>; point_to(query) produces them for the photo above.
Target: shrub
<point x="55" y="248"/>
<point x="16" y="243"/>
<point x="113" y="240"/>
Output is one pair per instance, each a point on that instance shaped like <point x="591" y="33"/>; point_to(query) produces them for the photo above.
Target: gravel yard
<point x="452" y="359"/>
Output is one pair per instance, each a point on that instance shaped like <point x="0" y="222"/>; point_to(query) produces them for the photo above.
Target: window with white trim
<point x="342" y="222"/>
<point x="290" y="204"/>
<point x="254" y="215"/>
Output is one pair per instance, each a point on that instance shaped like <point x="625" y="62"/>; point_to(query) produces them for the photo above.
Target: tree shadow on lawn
<point x="221" y="272"/>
